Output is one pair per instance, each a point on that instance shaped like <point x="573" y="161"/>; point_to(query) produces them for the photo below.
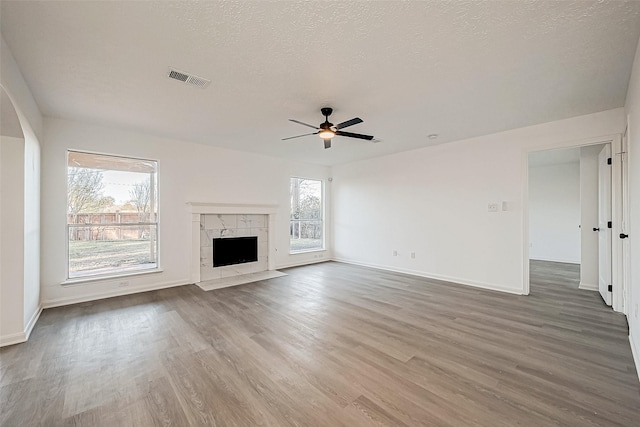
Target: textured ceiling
<point x="409" y="69"/>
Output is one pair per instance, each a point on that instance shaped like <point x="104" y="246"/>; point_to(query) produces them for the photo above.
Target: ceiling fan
<point x="328" y="130"/>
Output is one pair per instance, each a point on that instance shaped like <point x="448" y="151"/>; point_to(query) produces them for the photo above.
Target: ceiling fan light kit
<point x="326" y="134"/>
<point x="327" y="130"/>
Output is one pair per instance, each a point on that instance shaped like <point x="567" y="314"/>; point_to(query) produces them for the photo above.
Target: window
<point x="306" y="229"/>
<point x="112" y="221"/>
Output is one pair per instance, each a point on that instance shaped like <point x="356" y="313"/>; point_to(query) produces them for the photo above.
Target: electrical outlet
<point x="493" y="207"/>
<point x="413" y="255"/>
<point x="395" y="253"/>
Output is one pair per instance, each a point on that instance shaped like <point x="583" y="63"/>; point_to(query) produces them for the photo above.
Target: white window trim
<point x="115" y="275"/>
<point x="324" y="222"/>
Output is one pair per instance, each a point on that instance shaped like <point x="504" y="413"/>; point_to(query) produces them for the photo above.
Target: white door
<point x="604" y="217"/>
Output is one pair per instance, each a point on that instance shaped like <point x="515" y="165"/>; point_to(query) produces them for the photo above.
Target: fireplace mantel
<point x="197" y="209"/>
<point x="200" y="208"/>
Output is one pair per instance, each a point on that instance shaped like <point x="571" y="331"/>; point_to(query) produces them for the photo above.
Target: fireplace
<point x="235" y="250"/>
<point x="211" y="221"/>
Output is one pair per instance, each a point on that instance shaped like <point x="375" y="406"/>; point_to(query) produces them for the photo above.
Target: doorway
<point x="568" y="232"/>
<point x="556" y="205"/>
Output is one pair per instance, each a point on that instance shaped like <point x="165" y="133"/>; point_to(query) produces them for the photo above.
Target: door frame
<point x="605" y="234"/>
<point x="625" y="249"/>
<point x="616" y="205"/>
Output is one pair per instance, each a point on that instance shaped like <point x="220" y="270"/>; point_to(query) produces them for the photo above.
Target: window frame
<point x="124" y="272"/>
<point x="322" y="219"/>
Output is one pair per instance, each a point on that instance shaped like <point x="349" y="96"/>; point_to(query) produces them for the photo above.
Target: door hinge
<point x="609" y="161"/>
<point x="609" y="224"/>
<point x="610" y="288"/>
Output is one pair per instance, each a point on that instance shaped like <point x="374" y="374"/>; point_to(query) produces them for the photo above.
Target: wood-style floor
<point x="328" y="345"/>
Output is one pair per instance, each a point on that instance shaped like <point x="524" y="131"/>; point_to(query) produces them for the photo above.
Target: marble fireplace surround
<point x="198" y="210"/>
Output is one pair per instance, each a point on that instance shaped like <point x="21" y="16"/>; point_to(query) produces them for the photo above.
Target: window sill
<point x="306" y="251"/>
<point x="89" y="279"/>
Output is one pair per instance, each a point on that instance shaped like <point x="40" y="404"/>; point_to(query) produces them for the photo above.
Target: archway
<point x="19" y="224"/>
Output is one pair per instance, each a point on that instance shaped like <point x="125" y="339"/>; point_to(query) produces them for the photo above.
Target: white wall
<point x="433" y="201"/>
<point x="632" y="108"/>
<point x="14" y="85"/>
<point x="188" y="172"/>
<point x="12" y="242"/>
<point x="589" y="216"/>
<point x="554" y="212"/>
<point x="31" y="264"/>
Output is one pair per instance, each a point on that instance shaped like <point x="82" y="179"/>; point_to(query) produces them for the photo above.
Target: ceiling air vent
<point x="189" y="79"/>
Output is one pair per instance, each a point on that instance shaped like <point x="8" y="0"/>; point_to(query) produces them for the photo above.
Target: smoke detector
<point x="187" y="78"/>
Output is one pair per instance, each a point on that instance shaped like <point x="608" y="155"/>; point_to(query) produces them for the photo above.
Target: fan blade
<point x="354" y="135"/>
<point x="299" y="136"/>
<point x="327" y="143"/>
<point x="303" y="123"/>
<point x="349" y="123"/>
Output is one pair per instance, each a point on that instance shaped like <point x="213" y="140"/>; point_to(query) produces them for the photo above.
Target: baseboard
<point x="635" y="351"/>
<point x="58" y="302"/>
<point x="21" y="337"/>
<point x="457" y="280"/>
<point x="564" y="261"/>
<point x="588" y="287"/>
<point x="32" y="322"/>
<point x="13" y="339"/>
<point x="301" y="263"/>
